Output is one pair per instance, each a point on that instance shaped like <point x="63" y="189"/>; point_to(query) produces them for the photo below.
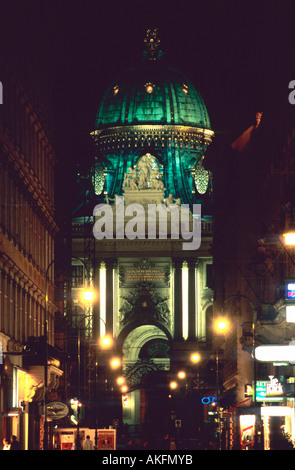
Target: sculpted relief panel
<point x="144" y="292"/>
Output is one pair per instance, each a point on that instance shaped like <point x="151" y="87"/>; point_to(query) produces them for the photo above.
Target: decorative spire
<point x="152" y="42"/>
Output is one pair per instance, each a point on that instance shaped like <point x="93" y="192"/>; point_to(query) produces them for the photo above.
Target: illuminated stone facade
<point x="154" y="297"/>
<point x="27" y="231"/>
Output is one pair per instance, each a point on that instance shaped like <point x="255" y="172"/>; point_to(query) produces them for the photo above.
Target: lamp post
<point x="45" y="437"/>
<point x="105" y="343"/>
<point x="238" y="294"/>
<point x="221" y="326"/>
<point x="45" y="328"/>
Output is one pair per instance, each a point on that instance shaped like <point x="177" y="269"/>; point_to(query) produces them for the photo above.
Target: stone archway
<point x="139" y="363"/>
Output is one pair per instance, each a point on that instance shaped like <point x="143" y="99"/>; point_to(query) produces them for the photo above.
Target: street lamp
<point x="289" y="234"/>
<point x="195" y="358"/>
<point x="45" y="327"/>
<point x="88" y="295"/>
<point x="221" y="326"/>
<point x="181" y="375"/>
<point x="238" y="294"/>
<point x="173" y="385"/>
<point x="106" y="341"/>
<point x="120" y="380"/>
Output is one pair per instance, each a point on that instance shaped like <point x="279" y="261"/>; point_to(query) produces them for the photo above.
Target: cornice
<point x="34" y="189"/>
<point x="161" y="135"/>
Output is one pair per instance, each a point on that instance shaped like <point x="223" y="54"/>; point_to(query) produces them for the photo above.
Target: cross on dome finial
<point x="152" y="42"/>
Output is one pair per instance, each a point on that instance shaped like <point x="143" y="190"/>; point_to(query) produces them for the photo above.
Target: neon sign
<point x="269" y="391"/>
<point x="274" y="387"/>
<point x="290" y="290"/>
<point x="207" y="400"/>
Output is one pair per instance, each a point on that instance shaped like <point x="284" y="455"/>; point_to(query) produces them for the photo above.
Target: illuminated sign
<point x="248" y="390"/>
<point x="271" y="390"/>
<point x="275" y="352"/>
<point x="290" y="290"/>
<point x="207" y="400"/>
<point x="247" y="430"/>
<point x="290" y="313"/>
<point x="274" y="387"/>
<point x="276" y="411"/>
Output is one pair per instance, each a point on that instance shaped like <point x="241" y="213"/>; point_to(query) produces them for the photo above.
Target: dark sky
<point x="240" y="55"/>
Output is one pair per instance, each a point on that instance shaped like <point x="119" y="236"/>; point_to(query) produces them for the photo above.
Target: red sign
<point x="106" y="439"/>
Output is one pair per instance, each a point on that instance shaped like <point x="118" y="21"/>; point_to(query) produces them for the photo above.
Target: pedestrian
<point x="6" y="444"/>
<point x="88" y="444"/>
<point x="15" y="445"/>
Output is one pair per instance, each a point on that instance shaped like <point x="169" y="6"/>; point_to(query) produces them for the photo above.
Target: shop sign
<point x="290" y="291"/>
<point x="275" y="353"/>
<point x="271" y="390"/>
<point x="207" y="400"/>
<point x="57" y="410"/>
<point x="247" y="430"/>
<point x="248" y="390"/>
<point x="106" y="439"/>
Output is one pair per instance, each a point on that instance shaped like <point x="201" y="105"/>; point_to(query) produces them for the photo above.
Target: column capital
<point x="110" y="263"/>
<point x="192" y="262"/>
<point x="177" y="263"/>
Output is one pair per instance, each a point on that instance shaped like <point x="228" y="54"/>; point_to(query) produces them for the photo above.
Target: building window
<point x="77" y="276"/>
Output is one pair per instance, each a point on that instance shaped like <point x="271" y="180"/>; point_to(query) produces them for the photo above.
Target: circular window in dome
<point x="116" y="89"/>
<point x="149" y="87"/>
<point x="184" y="88"/>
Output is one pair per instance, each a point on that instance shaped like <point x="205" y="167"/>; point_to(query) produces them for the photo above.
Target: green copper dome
<point x="152" y="94"/>
<point x="152" y="110"/>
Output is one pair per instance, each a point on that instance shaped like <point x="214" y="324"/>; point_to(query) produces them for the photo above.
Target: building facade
<point x="252" y="268"/>
<point x="27" y="236"/>
<point x="153" y="293"/>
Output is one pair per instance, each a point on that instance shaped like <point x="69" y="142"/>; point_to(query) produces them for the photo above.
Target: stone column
<point x="96" y="306"/>
<point x="177" y="263"/>
<point x="109" y="296"/>
<point x="191" y="298"/>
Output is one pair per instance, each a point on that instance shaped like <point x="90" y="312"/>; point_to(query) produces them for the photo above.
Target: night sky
<point x="240" y="55"/>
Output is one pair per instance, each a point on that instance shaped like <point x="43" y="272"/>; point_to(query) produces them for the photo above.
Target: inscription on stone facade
<point x="143" y="271"/>
<point x="144" y="275"/>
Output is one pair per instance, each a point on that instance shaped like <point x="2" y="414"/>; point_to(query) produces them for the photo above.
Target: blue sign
<point x="207" y="400"/>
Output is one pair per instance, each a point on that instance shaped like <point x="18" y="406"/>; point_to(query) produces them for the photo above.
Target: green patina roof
<point x="173" y="100"/>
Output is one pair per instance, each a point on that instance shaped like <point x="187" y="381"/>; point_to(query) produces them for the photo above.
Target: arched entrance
<point x="146" y="359"/>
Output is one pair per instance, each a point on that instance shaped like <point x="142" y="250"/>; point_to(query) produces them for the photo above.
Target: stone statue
<point x="169" y="200"/>
<point x="156" y="180"/>
<point x="108" y="199"/>
<point x="126" y="181"/>
<point x="145" y="167"/>
<point x="130" y="179"/>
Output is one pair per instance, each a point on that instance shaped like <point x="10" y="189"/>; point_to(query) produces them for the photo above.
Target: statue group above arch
<point x="146" y="174"/>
